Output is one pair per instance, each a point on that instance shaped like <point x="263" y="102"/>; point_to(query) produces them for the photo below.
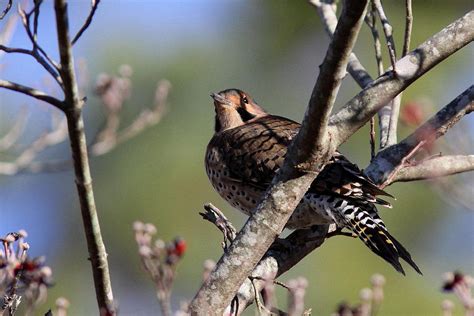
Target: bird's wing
<point x="342" y="178"/>
<point x="254" y="152"/>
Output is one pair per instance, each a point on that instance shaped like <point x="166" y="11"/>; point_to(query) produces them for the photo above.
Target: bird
<point x="248" y="148"/>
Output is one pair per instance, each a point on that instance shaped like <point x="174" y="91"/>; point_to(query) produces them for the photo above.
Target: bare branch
<point x="7" y="8"/>
<point x="388" y="31"/>
<point x="24" y="160"/>
<point x="384" y="112"/>
<point x="329" y="18"/>
<point x="435" y="167"/>
<point x="110" y="137"/>
<point x="73" y="111"/>
<point x="389" y="161"/>
<point x="94" y="5"/>
<point x="37" y="94"/>
<point x="408" y="27"/>
<point x="215" y="216"/>
<point x="25" y="18"/>
<point x="38" y="57"/>
<point x="440" y="46"/>
<point x="281" y="257"/>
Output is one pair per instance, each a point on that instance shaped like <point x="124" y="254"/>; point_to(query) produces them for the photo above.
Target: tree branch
<point x="94" y="5"/>
<point x="388" y="162"/>
<point x="37" y="94"/>
<point x="37" y="49"/>
<point x="363" y="106"/>
<point x="281" y="257"/>
<point x="408" y="27"/>
<point x="57" y="135"/>
<point x="307" y="155"/>
<point x="73" y="110"/>
<point x="354" y="66"/>
<point x="435" y="167"/>
<point x="388" y="31"/>
<point x="7" y="8"/>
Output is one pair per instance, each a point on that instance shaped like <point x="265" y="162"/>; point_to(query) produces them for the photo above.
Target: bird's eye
<point x="245" y="100"/>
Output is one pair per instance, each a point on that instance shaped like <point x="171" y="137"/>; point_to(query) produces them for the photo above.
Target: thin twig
<point x="37" y="94"/>
<point x="25" y="159"/>
<point x="215" y="216"/>
<point x="408" y="27"/>
<point x="36" y="11"/>
<point x="94" y="5"/>
<point x="37" y="51"/>
<point x="388" y="114"/>
<point x="388" y="31"/>
<point x="25" y="18"/>
<point x="384" y="112"/>
<point x="110" y="136"/>
<point x="7" y="8"/>
<point x="36" y="56"/>
<point x="372" y="138"/>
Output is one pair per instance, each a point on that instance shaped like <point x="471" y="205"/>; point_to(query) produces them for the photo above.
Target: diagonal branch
<point x="388" y="162"/>
<point x="430" y="53"/>
<point x="435" y="167"/>
<point x="281" y="257"/>
<point x="94" y="5"/>
<point x="57" y="135"/>
<point x="7" y="8"/>
<point x="37" y="94"/>
<point x="307" y="155"/>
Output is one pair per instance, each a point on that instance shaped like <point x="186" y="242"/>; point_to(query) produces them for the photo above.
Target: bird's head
<point x="234" y="108"/>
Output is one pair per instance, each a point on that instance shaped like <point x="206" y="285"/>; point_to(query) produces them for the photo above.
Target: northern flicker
<point x="248" y="148"/>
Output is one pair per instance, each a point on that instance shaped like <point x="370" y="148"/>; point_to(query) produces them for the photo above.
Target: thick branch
<point x="281" y="257"/>
<point x="389" y="161"/>
<point x="363" y="106"/>
<point x="37" y="94"/>
<point x="435" y="167"/>
<point x="96" y="247"/>
<point x="307" y="155"/>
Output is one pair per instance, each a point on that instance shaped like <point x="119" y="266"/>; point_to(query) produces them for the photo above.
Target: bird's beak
<point x="219" y="98"/>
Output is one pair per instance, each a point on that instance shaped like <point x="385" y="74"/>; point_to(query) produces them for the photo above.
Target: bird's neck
<point x="226" y="119"/>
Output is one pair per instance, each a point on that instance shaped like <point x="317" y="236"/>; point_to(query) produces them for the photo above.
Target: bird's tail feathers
<point x="375" y="236"/>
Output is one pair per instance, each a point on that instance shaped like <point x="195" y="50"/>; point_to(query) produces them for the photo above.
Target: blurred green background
<point x="272" y="49"/>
